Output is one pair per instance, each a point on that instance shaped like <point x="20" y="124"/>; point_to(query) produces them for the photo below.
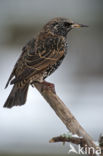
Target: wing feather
<point x="31" y="61"/>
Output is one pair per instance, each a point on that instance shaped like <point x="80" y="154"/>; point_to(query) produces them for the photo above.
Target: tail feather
<point x="17" y="96"/>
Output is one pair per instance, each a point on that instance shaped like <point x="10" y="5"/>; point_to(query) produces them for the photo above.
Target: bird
<point x="40" y="57"/>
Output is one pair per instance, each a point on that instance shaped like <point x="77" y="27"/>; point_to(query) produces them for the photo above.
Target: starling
<point x="40" y="57"/>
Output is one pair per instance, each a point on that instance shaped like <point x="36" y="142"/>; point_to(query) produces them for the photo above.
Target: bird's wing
<point x="48" y="52"/>
<point x="31" y="62"/>
<point x="19" y="67"/>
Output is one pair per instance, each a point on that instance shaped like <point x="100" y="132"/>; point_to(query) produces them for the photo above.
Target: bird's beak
<point x="75" y="25"/>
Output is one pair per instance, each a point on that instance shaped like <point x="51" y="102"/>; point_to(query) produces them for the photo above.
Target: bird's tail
<point x="17" y="96"/>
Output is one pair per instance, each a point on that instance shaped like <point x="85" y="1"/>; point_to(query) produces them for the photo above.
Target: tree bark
<point x="64" y="113"/>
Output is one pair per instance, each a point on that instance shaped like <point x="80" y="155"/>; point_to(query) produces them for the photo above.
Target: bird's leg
<point x="45" y="86"/>
<point x="48" y="86"/>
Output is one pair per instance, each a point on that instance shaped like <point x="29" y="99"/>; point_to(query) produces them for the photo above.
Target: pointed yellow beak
<point x="75" y="25"/>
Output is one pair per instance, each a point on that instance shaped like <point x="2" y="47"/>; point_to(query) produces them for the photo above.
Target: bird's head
<point x="61" y="26"/>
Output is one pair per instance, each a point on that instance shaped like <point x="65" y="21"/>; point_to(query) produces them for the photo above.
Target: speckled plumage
<point x="40" y="58"/>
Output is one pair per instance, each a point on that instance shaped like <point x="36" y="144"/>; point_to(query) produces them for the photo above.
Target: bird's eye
<point x="66" y="24"/>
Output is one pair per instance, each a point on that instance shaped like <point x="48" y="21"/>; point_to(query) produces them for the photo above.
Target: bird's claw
<point x="48" y="86"/>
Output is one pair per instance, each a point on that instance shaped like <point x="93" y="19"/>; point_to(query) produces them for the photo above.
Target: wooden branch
<point x="64" y="113"/>
<point x="73" y="140"/>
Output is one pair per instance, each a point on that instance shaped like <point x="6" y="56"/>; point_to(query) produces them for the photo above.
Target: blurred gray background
<point x="79" y="80"/>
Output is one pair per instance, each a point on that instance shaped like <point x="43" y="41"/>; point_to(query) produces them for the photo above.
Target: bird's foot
<point x="48" y="86"/>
